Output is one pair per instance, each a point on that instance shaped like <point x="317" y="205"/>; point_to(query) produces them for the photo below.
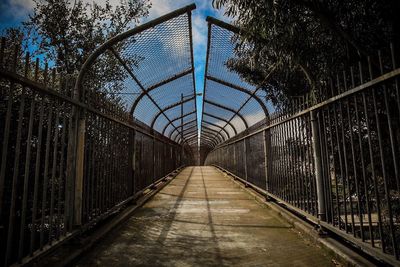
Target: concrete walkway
<point x="202" y="218"/>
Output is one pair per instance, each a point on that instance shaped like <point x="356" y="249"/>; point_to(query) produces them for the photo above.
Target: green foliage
<point x="68" y="31"/>
<point x="306" y="40"/>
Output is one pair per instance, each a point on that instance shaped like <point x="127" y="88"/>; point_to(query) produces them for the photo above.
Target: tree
<point x="307" y="40"/>
<point x="67" y="32"/>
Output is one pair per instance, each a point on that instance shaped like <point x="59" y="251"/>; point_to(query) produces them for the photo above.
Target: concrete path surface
<point x="202" y="218"/>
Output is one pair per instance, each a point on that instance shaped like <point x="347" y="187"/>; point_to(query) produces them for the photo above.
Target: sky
<point x="13" y="12"/>
<point x="203" y="9"/>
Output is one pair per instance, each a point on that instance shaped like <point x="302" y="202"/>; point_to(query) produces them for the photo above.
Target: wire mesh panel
<point x="108" y="172"/>
<point x="72" y="155"/>
<point x="148" y="73"/>
<point x="35" y="127"/>
<point x="360" y="159"/>
<point x="336" y="160"/>
<point x="231" y="101"/>
<point x="255" y="160"/>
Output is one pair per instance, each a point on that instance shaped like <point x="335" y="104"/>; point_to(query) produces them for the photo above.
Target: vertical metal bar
<point x="16" y="169"/>
<point x="53" y="174"/>
<point x="37" y="173"/>
<point x="318" y="165"/>
<point x="353" y="157"/>
<point x="98" y="165"/>
<point x="245" y="159"/>
<point x="266" y="158"/>
<point x="15" y="179"/>
<point x="27" y="170"/>
<point x="154" y="158"/>
<point x="6" y="135"/>
<point x="331" y="136"/>
<point x="312" y="203"/>
<point x="326" y="165"/>
<point x="301" y="151"/>
<point x="296" y="150"/>
<point x="45" y="175"/>
<point x="382" y="159"/>
<point x="345" y="158"/>
<point x="280" y="184"/>
<point x="61" y="177"/>
<point x="364" y="176"/>
<point x="371" y="157"/>
<point x="80" y="157"/>
<point x="338" y="147"/>
<point x="390" y="126"/>
<point x="285" y="175"/>
<point x="133" y="137"/>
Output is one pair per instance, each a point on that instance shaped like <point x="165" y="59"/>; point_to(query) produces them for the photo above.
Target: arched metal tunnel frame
<point x="145" y="92"/>
<point x="222" y="135"/>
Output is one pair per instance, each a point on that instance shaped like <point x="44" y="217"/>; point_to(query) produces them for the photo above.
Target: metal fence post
<point x="266" y="158"/>
<point x="154" y="158"/>
<point x="318" y="165"/>
<point x="80" y="156"/>
<point x="133" y="162"/>
<point x="245" y="159"/>
<point x="76" y="164"/>
<point x="234" y="168"/>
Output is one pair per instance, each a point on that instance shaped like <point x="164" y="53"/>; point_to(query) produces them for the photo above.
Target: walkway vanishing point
<point x="203" y="218"/>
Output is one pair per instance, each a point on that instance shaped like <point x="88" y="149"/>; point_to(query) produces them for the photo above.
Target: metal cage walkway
<point x="78" y="149"/>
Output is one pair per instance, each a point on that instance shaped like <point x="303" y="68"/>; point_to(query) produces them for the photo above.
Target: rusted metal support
<point x="154" y="159"/>
<point x="80" y="157"/>
<point x="205" y="129"/>
<point x="245" y="160"/>
<point x="318" y="165"/>
<point x="267" y="147"/>
<point x="222" y="119"/>
<point x="162" y="111"/>
<point x="157" y="85"/>
<point x="228" y="109"/>
<point x="126" y="67"/>
<point x="178" y="118"/>
<point x="181" y="126"/>
<point x="241" y="89"/>
<point x="133" y="161"/>
<point x="120" y="37"/>
<point x="218" y="126"/>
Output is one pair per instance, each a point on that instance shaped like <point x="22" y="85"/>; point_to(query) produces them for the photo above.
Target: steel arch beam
<point x="229" y="109"/>
<point x="184" y="130"/>
<point x="214" y="132"/>
<point x="128" y="69"/>
<point x="218" y="134"/>
<point x="120" y="37"/>
<point x="210" y="133"/>
<point x="155" y="86"/>
<point x="180" y="117"/>
<point x="218" y="126"/>
<point x="222" y="119"/>
<point x="243" y="90"/>
<point x="207" y="130"/>
<point x="162" y="111"/>
<point x="210" y="137"/>
<point x="208" y="141"/>
<point x="186" y="123"/>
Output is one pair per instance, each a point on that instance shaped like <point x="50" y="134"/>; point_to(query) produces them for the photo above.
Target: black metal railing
<point x="333" y="157"/>
<point x="67" y="161"/>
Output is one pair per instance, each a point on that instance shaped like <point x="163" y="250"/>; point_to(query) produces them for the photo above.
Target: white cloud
<point x="162" y="7"/>
<point x="19" y="9"/>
